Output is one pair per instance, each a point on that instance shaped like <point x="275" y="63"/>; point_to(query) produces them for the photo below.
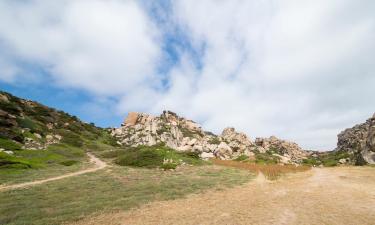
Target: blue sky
<point x="300" y="70"/>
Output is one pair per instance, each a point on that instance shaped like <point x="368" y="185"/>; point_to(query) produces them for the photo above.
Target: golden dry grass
<point x="271" y="171"/>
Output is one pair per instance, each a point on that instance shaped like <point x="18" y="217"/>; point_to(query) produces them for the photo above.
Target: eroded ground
<point x="343" y="195"/>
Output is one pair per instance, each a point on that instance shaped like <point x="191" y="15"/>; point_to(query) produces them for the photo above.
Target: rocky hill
<point x="358" y="142"/>
<point x="186" y="135"/>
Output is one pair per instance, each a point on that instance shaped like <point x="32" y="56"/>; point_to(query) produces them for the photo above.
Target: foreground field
<point x="341" y="195"/>
<point x="113" y="188"/>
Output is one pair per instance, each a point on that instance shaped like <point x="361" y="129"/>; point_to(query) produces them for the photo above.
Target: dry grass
<point x="271" y="171"/>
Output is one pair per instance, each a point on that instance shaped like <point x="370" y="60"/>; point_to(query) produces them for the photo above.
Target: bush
<point x="68" y="162"/>
<point x="72" y="139"/>
<point x="266" y="158"/>
<point x="330" y="162"/>
<point x="169" y="166"/>
<point x="242" y="158"/>
<point x="141" y="158"/>
<point x="214" y="141"/>
<point x="26" y="123"/>
<point x="153" y="156"/>
<point x="9" y="144"/>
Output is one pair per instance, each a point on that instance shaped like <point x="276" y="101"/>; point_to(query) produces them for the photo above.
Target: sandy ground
<point x="98" y="164"/>
<point x="344" y="195"/>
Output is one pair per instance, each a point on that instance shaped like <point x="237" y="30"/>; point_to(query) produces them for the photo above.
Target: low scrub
<point x="153" y="157"/>
<point x="9" y="144"/>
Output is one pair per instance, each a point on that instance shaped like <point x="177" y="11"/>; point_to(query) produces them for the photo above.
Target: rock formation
<point x="359" y="142"/>
<point x="186" y="135"/>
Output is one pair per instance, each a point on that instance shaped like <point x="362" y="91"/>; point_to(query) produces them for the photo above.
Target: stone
<point x="9" y="152"/>
<point x="359" y="141"/>
<point x="186" y="135"/>
<point x="4" y="98"/>
<point x="207" y="155"/>
<point x="37" y="135"/>
<point x="131" y="119"/>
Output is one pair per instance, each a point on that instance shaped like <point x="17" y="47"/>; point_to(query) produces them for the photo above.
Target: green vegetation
<point x="214" y="141"/>
<point x="327" y="159"/>
<point x="124" y="188"/>
<point x="9" y="144"/>
<point x="153" y="157"/>
<point x="242" y="158"/>
<point x="266" y="158"/>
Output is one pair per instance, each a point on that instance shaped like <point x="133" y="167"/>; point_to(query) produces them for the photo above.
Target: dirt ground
<point x="344" y="195"/>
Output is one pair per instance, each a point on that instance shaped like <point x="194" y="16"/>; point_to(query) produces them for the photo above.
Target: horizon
<point x="296" y="70"/>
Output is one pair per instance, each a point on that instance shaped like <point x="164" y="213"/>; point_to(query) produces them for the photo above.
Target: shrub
<point x="72" y="139"/>
<point x="68" y="162"/>
<point x="242" y="158"/>
<point x="214" y="141"/>
<point x="169" y="166"/>
<point x="26" y="123"/>
<point x="330" y="162"/>
<point x="141" y="158"/>
<point x="266" y="158"/>
<point x="9" y="144"/>
<point x="153" y="156"/>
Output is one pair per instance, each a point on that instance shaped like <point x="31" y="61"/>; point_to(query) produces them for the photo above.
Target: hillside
<point x="34" y="135"/>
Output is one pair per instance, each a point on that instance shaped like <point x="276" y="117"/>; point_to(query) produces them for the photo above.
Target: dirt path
<point x="98" y="164"/>
<point x="321" y="196"/>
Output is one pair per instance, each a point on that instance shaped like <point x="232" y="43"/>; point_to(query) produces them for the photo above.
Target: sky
<point x="300" y="70"/>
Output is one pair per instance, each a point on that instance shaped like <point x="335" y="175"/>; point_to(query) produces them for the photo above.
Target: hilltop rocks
<point x="284" y="148"/>
<point x="186" y="135"/>
<point x="359" y="142"/>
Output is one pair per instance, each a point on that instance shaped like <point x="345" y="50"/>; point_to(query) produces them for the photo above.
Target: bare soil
<point x="98" y="164"/>
<point x="342" y="195"/>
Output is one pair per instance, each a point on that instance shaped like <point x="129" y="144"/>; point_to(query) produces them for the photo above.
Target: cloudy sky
<point x="300" y="70"/>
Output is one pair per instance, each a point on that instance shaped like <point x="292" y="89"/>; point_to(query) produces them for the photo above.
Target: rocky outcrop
<point x="359" y="142"/>
<point x="289" y="150"/>
<point x="186" y="135"/>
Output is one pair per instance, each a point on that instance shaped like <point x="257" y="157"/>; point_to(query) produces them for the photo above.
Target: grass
<point x="116" y="188"/>
<point x="27" y="165"/>
<point x="9" y="144"/>
<point x="153" y="157"/>
<point x="271" y="171"/>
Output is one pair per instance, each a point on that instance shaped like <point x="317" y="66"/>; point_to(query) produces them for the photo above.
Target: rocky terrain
<point x="186" y="135"/>
<point x="359" y="142"/>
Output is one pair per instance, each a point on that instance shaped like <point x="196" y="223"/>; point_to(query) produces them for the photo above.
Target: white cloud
<point x="301" y="70"/>
<point x="107" y="47"/>
<point x="278" y="68"/>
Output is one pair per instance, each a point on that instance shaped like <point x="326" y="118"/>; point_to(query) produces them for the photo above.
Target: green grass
<point x="153" y="156"/>
<point x="26" y="165"/>
<point x="118" y="188"/>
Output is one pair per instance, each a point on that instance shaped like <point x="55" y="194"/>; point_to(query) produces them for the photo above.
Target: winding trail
<point x="98" y="165"/>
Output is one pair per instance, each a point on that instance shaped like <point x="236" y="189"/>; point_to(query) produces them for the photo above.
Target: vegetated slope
<point x="33" y="135"/>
